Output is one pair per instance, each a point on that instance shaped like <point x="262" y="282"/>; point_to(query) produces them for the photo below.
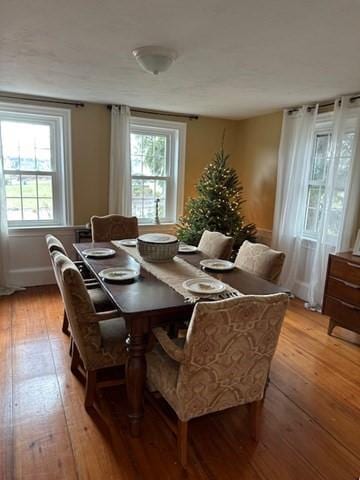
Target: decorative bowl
<point x="157" y="247"/>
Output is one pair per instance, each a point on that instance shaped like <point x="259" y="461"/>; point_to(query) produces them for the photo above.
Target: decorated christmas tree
<point x="217" y="206"/>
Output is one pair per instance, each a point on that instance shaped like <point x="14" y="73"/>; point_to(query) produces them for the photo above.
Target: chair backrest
<point x="228" y="351"/>
<point x="78" y="306"/>
<point x="260" y="260"/>
<point x="216" y="245"/>
<point x="54" y="244"/>
<point x="113" y="227"/>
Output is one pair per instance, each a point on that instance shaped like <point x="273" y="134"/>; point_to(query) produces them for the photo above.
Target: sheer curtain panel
<point x="329" y="178"/>
<point x="5" y="288"/>
<point x="293" y="170"/>
<point x="120" y="175"/>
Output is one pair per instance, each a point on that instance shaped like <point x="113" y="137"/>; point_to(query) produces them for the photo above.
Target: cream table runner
<point x="175" y="272"/>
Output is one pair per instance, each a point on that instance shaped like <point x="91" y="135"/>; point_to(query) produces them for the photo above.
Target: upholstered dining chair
<point x="216" y="245"/>
<point x="99" y="337"/>
<point x="113" y="227"/>
<point x="99" y="298"/>
<point x="223" y="362"/>
<point x="260" y="260"/>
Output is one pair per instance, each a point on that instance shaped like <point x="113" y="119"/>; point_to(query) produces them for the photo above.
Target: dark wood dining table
<point x="148" y="302"/>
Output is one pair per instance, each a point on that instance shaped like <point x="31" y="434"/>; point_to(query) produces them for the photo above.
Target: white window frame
<point x="176" y="133"/>
<point x="59" y="120"/>
<point x="323" y="126"/>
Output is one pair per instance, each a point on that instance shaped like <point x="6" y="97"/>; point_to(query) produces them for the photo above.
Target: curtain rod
<point x="43" y="100"/>
<point x="157" y="112"/>
<point x="323" y="105"/>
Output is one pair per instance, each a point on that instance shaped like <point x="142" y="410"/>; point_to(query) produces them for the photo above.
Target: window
<point x="157" y="162"/>
<point x="35" y="162"/>
<point x="318" y="180"/>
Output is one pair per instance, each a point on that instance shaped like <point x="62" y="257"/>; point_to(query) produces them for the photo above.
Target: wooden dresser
<point x="342" y="292"/>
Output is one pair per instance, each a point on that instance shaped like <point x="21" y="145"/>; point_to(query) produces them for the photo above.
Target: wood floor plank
<point x="309" y="428"/>
<point x="6" y="394"/>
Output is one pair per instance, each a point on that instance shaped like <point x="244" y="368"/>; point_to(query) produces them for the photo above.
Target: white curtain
<point x="293" y="170"/>
<point x="306" y="262"/>
<point x="120" y="168"/>
<point x="346" y="118"/>
<point x="5" y="288"/>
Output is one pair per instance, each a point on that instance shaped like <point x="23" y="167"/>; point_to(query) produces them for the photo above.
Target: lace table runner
<point x="175" y="272"/>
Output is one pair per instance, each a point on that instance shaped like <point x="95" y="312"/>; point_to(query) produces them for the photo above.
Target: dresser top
<point x="348" y="256"/>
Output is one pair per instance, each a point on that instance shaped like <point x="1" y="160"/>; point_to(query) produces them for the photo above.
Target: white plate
<point x="204" y="286"/>
<point x="217" y="264"/>
<point x="118" y="274"/>
<point x="128" y="242"/>
<point x="183" y="248"/>
<point x="98" y="252"/>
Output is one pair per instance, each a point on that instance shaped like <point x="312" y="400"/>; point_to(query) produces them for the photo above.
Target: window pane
<point x="43" y="159"/>
<point x="13" y="208"/>
<point x="45" y="186"/>
<point x="12" y="186"/>
<point x="28" y="185"/>
<point x="136" y="144"/>
<point x="30" y="209"/>
<point x="320" y="157"/>
<point x="149" y="199"/>
<point x="148" y="154"/>
<point x="46" y="209"/>
<point x="160" y="155"/>
<point x="136" y="165"/>
<point x="347" y="144"/>
<point x="137" y="198"/>
<point x="24" y="142"/>
<point x="310" y="225"/>
<point x="314" y="196"/>
<point x="334" y="222"/>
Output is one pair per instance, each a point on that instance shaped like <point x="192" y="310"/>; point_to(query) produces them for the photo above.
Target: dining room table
<point x="148" y="302"/>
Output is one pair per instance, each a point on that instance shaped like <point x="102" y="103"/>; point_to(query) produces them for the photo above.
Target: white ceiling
<point x="237" y="58"/>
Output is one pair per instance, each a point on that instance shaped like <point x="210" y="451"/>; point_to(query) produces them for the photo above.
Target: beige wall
<point x="91" y="146"/>
<point x="256" y="156"/>
<point x="90" y="131"/>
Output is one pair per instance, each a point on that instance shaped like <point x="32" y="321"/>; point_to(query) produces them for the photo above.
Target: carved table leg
<point x="135" y="380"/>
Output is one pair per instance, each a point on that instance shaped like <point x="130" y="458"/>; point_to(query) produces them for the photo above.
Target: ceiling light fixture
<point x="154" y="59"/>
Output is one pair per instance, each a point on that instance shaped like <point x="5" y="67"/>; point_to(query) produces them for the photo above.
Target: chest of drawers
<point x="342" y="292"/>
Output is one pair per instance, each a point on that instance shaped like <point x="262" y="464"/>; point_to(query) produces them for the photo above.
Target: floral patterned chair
<point x="223" y="362"/>
<point x="113" y="227"/>
<point x="99" y="337"/>
<point x="260" y="260"/>
<point x="99" y="298"/>
<point x="216" y="245"/>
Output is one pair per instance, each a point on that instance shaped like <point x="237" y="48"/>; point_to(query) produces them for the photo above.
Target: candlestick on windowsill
<point x="157" y="219"/>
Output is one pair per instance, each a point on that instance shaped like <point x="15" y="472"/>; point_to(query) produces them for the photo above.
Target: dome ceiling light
<point x="154" y="59"/>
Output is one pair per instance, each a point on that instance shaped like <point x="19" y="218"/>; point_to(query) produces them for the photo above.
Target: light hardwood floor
<point x="310" y="427"/>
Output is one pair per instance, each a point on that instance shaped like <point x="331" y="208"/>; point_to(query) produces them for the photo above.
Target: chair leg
<point x="182" y="440"/>
<point x="90" y="388"/>
<point x="65" y="325"/>
<point x="255" y="412"/>
<point x="75" y="359"/>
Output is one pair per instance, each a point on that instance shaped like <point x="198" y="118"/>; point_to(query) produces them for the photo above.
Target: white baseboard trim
<point x="31" y="277"/>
